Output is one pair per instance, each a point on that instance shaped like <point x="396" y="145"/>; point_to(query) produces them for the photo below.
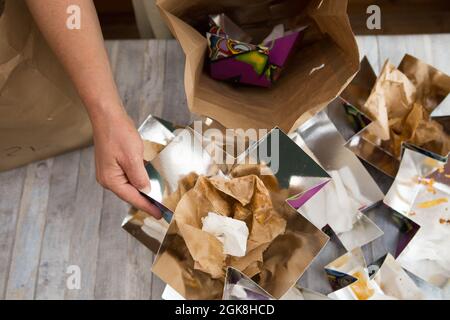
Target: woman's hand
<point x="119" y="160"/>
<point x="118" y="147"/>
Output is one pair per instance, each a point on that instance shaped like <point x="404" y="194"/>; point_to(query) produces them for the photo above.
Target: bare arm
<point x="118" y="147"/>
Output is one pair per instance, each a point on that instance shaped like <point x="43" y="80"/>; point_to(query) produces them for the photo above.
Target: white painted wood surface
<point x="53" y="214"/>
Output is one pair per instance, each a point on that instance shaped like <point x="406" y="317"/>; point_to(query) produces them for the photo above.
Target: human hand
<point x="118" y="147"/>
<point x="119" y="161"/>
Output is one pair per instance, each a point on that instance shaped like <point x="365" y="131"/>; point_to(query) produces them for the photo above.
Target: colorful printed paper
<point x="232" y="58"/>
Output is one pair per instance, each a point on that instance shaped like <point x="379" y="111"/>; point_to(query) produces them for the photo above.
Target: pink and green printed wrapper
<point x="232" y="58"/>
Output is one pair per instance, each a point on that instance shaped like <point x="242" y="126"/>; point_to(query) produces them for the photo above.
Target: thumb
<point x="137" y="175"/>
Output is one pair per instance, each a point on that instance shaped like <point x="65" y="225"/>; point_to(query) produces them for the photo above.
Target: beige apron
<point x="41" y="115"/>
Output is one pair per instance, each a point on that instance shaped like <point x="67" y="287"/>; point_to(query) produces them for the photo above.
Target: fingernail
<point x="146" y="190"/>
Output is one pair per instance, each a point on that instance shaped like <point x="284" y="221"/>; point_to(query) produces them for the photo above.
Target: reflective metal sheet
<point x="382" y="280"/>
<point x="350" y="191"/>
<point x="156" y="130"/>
<point x="421" y="192"/>
<point x="294" y="169"/>
<point x="140" y="224"/>
<point x="240" y="287"/>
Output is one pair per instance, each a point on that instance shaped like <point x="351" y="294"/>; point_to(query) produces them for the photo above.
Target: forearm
<point x="81" y="52"/>
<point x="118" y="153"/>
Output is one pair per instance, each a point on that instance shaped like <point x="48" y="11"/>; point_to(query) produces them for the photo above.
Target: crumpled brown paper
<point x="281" y="243"/>
<point x="401" y="103"/>
<point x="243" y="198"/>
<point x="187" y="183"/>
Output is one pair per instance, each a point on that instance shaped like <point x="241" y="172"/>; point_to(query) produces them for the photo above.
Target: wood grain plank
<point x="11" y="186"/>
<point x="128" y="71"/>
<point x="152" y="88"/>
<point x="85" y="227"/>
<point x="138" y="270"/>
<point x="368" y="47"/>
<point x="111" y="280"/>
<point x="439" y="51"/>
<point x="51" y="280"/>
<point x="29" y="232"/>
<point x="175" y="104"/>
<point x="394" y="48"/>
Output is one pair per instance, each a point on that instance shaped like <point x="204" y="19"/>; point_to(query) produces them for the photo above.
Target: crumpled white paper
<point x="231" y="232"/>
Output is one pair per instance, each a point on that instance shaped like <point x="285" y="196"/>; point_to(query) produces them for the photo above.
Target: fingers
<point x="115" y="180"/>
<point x="137" y="175"/>
<point x="128" y="193"/>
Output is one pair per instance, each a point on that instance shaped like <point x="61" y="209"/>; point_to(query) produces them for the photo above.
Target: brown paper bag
<point x="41" y="115"/>
<point x="316" y="73"/>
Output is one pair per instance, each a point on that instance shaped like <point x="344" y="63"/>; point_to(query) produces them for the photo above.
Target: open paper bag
<point x="317" y="72"/>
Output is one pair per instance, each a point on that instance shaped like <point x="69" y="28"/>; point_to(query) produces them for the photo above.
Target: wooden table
<point x="53" y="214"/>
